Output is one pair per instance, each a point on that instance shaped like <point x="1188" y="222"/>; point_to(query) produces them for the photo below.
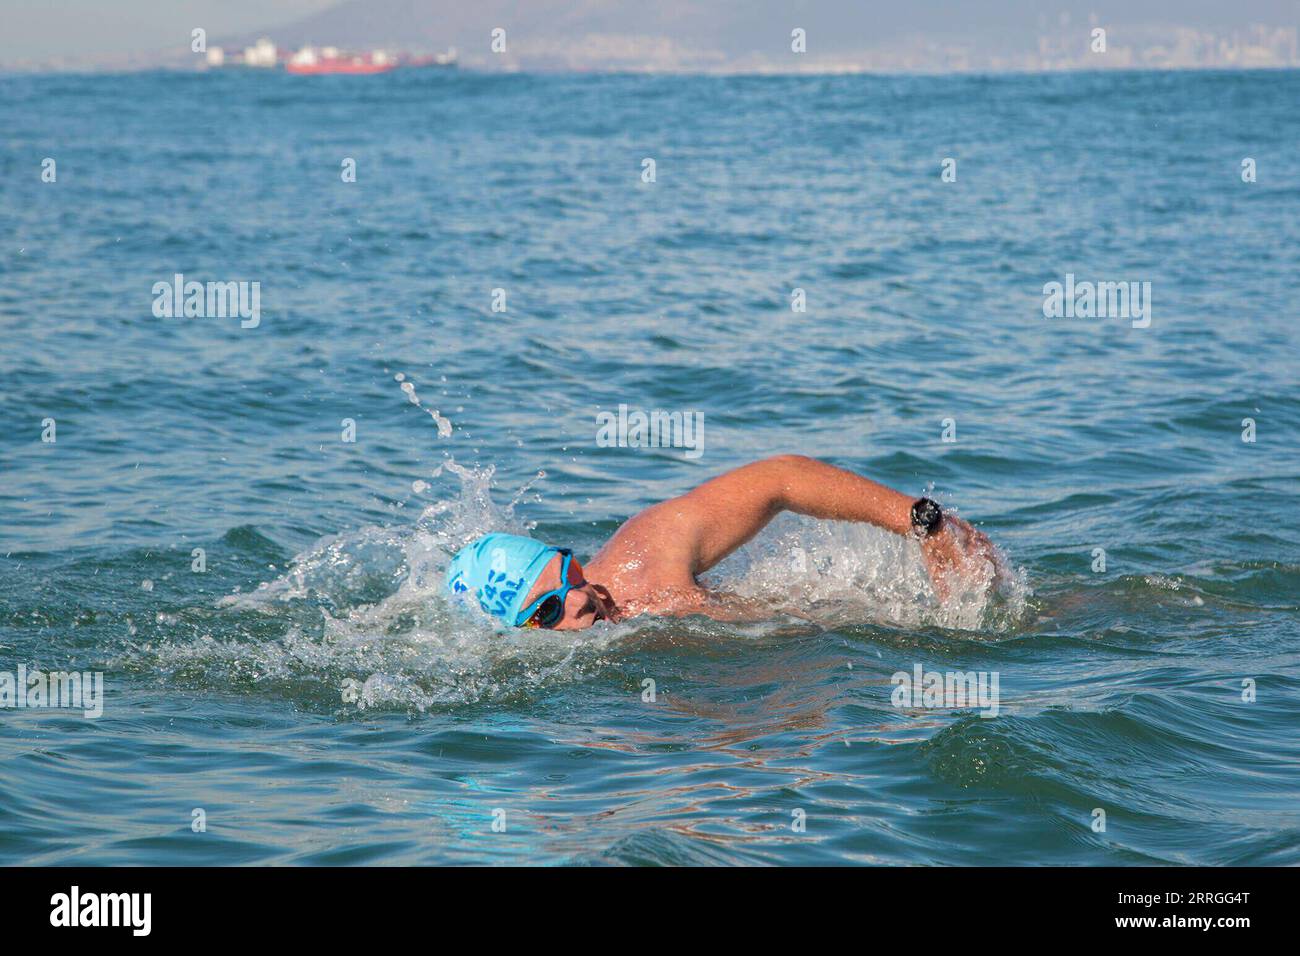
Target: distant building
<point x="216" y="56"/>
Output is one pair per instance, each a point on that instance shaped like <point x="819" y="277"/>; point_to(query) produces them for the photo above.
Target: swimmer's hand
<point x="959" y="555"/>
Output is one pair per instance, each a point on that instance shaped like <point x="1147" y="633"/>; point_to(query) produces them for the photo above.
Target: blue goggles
<point x="548" y="610"/>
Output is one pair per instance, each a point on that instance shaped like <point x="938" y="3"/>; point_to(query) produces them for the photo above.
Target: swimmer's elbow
<point x="753" y="494"/>
<point x="787" y="475"/>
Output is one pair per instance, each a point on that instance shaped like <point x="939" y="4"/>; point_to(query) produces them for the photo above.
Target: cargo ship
<point x="310" y="61"/>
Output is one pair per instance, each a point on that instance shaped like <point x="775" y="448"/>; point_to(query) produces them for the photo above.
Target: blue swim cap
<point x="499" y="570"/>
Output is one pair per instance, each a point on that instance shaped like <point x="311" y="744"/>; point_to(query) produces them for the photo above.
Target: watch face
<point x="926" y="516"/>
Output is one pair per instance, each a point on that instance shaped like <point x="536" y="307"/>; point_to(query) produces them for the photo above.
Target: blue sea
<point x="243" y="525"/>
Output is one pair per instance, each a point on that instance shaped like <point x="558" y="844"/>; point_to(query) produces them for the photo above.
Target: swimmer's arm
<point x="729" y="510"/>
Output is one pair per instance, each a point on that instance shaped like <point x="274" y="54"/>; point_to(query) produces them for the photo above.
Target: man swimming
<point x="652" y="563"/>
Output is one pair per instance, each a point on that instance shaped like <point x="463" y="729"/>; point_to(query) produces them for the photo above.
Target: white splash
<point x="444" y="424"/>
<point x="840" y="573"/>
<point x="372" y="623"/>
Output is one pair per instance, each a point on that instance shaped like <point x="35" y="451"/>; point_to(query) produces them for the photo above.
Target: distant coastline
<point x="1091" y="46"/>
<point x="12" y="71"/>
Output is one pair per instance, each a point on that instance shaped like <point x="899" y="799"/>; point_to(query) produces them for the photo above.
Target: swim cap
<point x="499" y="570"/>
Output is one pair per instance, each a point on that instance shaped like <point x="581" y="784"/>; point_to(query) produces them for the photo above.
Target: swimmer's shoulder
<point x="659" y="543"/>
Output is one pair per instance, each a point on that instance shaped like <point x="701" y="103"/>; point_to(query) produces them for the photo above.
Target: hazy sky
<point x="40" y="29"/>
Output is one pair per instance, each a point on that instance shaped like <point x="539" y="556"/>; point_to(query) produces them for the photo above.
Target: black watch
<point x="927" y="517"/>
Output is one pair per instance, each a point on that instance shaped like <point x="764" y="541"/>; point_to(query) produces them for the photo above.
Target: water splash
<point x="364" y="618"/>
<point x="840" y="573"/>
<point x="408" y="388"/>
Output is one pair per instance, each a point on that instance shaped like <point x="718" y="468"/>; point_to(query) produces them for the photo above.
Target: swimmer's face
<point x="584" y="605"/>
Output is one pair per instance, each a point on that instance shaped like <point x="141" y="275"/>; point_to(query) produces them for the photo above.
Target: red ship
<point x="331" y="60"/>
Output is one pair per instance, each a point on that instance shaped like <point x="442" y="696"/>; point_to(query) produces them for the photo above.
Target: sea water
<point x="243" y="526"/>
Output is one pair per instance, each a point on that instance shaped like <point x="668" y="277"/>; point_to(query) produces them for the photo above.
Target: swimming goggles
<point x="548" y="610"/>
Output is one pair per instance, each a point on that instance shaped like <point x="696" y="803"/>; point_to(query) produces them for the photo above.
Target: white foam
<point x="839" y="573"/>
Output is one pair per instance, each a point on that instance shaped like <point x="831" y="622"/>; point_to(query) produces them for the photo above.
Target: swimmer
<point x="652" y="563"/>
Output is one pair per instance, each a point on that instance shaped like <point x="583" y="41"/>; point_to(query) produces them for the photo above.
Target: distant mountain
<point x="756" y="34"/>
<point x="586" y="33"/>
